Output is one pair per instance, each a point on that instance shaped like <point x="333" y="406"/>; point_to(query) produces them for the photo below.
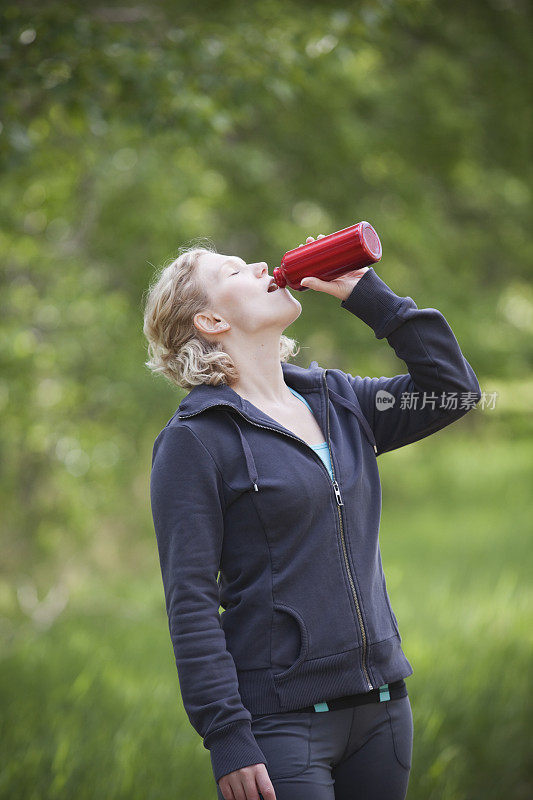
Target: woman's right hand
<point x="246" y="783"/>
<point x="340" y="287"/>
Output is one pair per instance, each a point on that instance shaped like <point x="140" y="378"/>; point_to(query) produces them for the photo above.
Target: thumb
<point x="315" y="283"/>
<point x="309" y="282"/>
<point x="318" y="285"/>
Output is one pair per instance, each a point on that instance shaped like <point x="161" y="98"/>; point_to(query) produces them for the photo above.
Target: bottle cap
<point x="279" y="278"/>
<point x="370" y="240"/>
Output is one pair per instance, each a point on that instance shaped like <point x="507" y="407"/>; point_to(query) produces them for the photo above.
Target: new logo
<point x="384" y="400"/>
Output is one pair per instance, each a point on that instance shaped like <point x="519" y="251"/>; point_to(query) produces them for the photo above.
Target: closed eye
<point x="234" y="273"/>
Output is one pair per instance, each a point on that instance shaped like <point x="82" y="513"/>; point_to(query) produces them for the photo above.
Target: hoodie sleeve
<point x="187" y="508"/>
<point x="436" y="366"/>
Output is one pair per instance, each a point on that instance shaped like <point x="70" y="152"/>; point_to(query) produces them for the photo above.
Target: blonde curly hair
<point x="176" y="348"/>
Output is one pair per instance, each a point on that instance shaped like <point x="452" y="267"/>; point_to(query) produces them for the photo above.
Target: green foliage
<point x="129" y="130"/>
<point x="90" y="699"/>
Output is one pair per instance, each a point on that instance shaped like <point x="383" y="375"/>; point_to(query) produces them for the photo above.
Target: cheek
<point x="234" y="300"/>
<point x="230" y="301"/>
<point x="245" y="308"/>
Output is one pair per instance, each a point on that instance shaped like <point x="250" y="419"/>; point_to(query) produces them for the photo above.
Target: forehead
<point x="217" y="264"/>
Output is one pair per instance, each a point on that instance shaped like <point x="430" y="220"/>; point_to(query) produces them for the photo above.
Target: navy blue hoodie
<point x="307" y="616"/>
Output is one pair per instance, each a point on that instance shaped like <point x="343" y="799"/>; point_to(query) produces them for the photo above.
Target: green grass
<point x="455" y="544"/>
<point x="91" y="706"/>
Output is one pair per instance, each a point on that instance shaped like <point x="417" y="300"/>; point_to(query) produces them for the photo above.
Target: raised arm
<point x="187" y="508"/>
<point x="396" y="408"/>
<point x="440" y="385"/>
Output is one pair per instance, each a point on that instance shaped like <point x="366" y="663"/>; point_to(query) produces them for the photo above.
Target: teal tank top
<point x="322" y="449"/>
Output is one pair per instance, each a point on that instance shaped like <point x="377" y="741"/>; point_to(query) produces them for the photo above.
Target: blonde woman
<point x="266" y="500"/>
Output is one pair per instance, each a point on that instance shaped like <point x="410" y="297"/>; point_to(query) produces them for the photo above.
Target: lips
<point x="272" y="286"/>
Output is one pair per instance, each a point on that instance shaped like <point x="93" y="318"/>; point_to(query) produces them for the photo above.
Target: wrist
<point x="376" y="304"/>
<point x="353" y="284"/>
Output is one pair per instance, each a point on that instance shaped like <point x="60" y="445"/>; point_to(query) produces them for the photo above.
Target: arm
<point x="187" y="508"/>
<point x="424" y="340"/>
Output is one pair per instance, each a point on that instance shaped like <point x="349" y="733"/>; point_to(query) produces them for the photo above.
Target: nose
<point x="262" y="268"/>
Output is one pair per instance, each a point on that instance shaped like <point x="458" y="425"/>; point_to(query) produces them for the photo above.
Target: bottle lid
<point x="370" y="240"/>
<point x="278" y="276"/>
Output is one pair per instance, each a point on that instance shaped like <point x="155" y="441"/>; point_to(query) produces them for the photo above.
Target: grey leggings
<point x="359" y="753"/>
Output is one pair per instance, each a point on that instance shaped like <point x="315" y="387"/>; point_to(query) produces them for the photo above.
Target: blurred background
<point x="130" y="130"/>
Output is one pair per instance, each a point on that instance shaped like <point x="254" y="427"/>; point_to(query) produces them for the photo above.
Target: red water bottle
<point x="327" y="258"/>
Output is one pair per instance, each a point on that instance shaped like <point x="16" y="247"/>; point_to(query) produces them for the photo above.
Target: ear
<point x="207" y="323"/>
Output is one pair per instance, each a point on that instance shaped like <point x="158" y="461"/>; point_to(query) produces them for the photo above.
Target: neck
<point x="261" y="379"/>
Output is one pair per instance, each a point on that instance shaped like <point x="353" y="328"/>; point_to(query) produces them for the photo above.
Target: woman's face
<point x="239" y="297"/>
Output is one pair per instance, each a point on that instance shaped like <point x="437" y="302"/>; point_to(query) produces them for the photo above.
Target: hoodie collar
<point x="204" y="396"/>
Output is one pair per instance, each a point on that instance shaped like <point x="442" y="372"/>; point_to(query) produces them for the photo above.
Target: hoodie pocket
<point x="290" y="640"/>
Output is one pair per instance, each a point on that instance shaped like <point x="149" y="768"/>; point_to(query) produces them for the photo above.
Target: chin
<point x="293" y="298"/>
<point x="296" y="310"/>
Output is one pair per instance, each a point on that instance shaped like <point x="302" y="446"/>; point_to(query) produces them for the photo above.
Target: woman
<point x="266" y="501"/>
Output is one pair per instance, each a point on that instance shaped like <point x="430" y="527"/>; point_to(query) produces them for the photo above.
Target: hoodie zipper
<point x="347" y="563"/>
<point x="338" y="499"/>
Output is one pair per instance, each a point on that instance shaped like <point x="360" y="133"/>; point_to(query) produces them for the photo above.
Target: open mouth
<point x="272" y="286"/>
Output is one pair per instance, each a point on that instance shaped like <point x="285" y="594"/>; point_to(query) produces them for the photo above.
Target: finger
<point x="227" y="791"/>
<point x="309" y="239"/>
<point x="238" y="788"/>
<point x="311" y="282"/>
<point x="320" y="235"/>
<point x="249" y="784"/>
<point x="264" y="785"/>
<point x="318" y="285"/>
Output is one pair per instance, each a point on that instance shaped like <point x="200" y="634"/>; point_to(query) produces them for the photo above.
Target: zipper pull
<point x="337" y="493"/>
<point x="375" y="449"/>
